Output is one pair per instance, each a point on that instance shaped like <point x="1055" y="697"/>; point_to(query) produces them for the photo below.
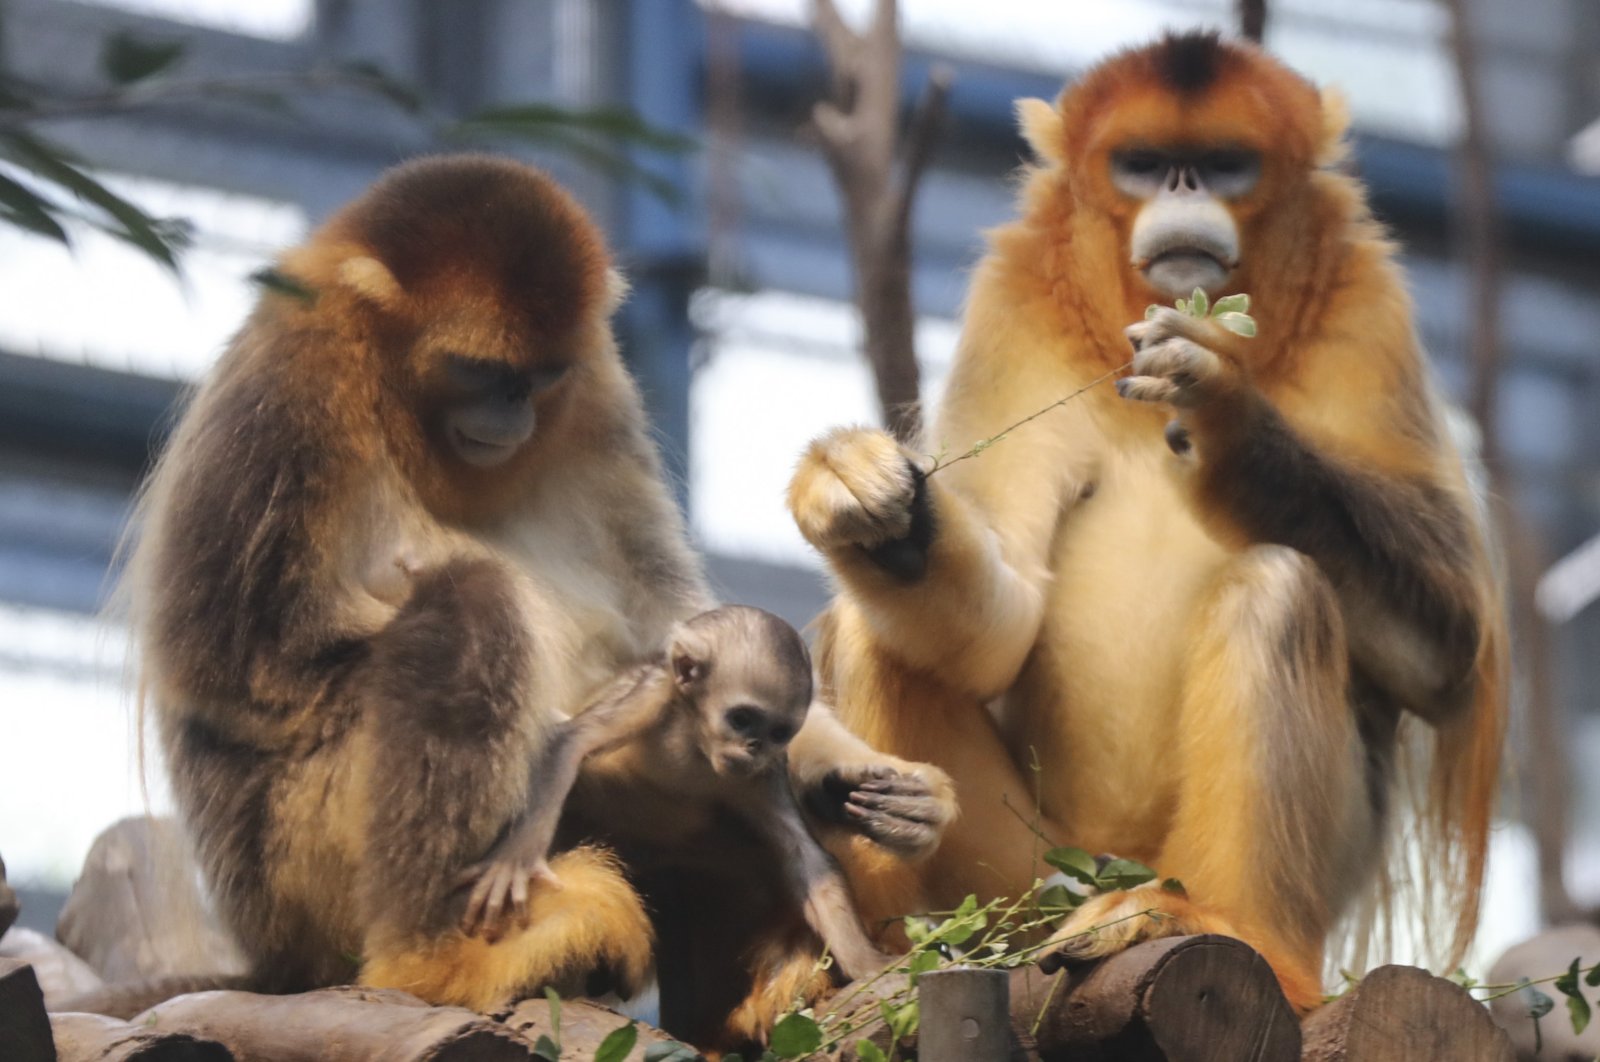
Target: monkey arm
<point x="1399" y="550"/>
<point x="1356" y="480"/>
<point x="812" y="878"/>
<point x="843" y="781"/>
<point x="949" y="570"/>
<point x="500" y="880"/>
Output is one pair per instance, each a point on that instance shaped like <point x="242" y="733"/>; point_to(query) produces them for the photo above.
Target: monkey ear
<point x="372" y="280"/>
<point x="1332" y="144"/>
<point x="1043" y="129"/>
<point x="687" y="669"/>
<point x="617" y="289"/>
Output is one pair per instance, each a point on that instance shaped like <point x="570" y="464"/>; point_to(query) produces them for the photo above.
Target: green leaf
<point x="921" y="962"/>
<point x="1577" y="1006"/>
<point x="282" y="284"/>
<point x="1182" y="305"/>
<point x="902" y="1020"/>
<point x="26" y="209"/>
<point x="1151" y="311"/>
<point x="1239" y="303"/>
<point x="1174" y="886"/>
<point x="1124" y="874"/>
<point x="1059" y="895"/>
<point x="795" y="1036"/>
<point x="1199" y="305"/>
<point x="670" y="1051"/>
<point x="1464" y="979"/>
<point x="867" y="1051"/>
<point x="1075" y="863"/>
<point x="617" y="1044"/>
<point x="1538" y="1003"/>
<point x="916" y="929"/>
<point x="546" y="1049"/>
<point x="370" y="77"/>
<point x="554" y="999"/>
<point x="1240" y="323"/>
<point x="1592" y="978"/>
<point x="126" y="58"/>
<point x="960" y="926"/>
<point x="158" y="238"/>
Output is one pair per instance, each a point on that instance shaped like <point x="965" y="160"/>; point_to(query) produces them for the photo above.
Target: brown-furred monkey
<point x="411" y="521"/>
<point x="683" y="772"/>
<point x="1212" y="636"/>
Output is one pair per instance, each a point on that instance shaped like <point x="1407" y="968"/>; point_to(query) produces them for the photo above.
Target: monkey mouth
<point x="481" y="453"/>
<point x="1178" y="271"/>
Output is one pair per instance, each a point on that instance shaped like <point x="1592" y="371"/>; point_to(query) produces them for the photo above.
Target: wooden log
<point x="24" y="1023"/>
<point x="136" y="912"/>
<point x="91" y="1038"/>
<point x="1399" y="1013"/>
<point x="62" y="975"/>
<point x="348" y="1024"/>
<point x="1181" y="999"/>
<point x="9" y="905"/>
<point x="584" y="1026"/>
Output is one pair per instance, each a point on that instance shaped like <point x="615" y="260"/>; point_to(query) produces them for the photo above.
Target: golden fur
<point x="1117" y="614"/>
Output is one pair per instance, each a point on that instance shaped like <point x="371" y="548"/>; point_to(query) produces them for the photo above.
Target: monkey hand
<point x="857" y="488"/>
<point x="499" y="899"/>
<point x="905" y="811"/>
<point x="1188" y="363"/>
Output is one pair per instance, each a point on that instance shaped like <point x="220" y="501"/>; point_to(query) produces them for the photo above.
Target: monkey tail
<point x="595" y="922"/>
<point x="1460" y="799"/>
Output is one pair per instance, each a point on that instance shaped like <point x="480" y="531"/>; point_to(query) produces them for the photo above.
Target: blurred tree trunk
<point x="1548" y="779"/>
<point x="859" y="131"/>
<point x="1252" y="19"/>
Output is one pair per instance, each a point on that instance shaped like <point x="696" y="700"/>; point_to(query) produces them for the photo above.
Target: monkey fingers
<point x="901" y="813"/>
<point x="499" y="898"/>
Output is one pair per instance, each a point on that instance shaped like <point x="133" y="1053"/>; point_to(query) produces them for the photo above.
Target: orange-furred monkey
<point x="1209" y="604"/>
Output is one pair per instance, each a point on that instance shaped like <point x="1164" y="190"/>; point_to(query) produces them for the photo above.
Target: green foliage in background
<point x="45" y="186"/>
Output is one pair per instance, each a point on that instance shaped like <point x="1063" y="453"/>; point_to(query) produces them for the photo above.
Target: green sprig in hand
<point x="1231" y="312"/>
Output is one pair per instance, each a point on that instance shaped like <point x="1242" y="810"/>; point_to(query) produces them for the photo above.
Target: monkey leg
<point x="1275" y="815"/>
<point x="448" y="736"/>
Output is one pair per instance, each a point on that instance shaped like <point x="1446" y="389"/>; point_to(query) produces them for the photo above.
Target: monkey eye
<point x="744" y="719"/>
<point x="1230" y="171"/>
<point x="1138" y="171"/>
<point x="781" y="733"/>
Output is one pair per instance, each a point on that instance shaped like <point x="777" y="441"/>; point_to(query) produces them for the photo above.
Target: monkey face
<point x="1183" y="147"/>
<point x="751" y="738"/>
<point x="488" y="408"/>
<point x="1184" y="236"/>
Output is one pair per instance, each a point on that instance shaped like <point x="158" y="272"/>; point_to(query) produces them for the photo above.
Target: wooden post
<point x="1180" y="999"/>
<point x="1400" y="1012"/>
<point x="965" y="1015"/>
<point x="91" y="1038"/>
<point x="24" y="1025"/>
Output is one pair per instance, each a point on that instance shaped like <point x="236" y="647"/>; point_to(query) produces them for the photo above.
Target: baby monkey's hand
<point x="500" y="888"/>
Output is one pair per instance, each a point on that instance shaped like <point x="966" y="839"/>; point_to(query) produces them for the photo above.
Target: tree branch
<point x="858" y="131"/>
<point x="1252" y="19"/>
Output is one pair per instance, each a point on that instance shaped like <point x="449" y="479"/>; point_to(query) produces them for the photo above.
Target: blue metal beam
<point x="664" y="242"/>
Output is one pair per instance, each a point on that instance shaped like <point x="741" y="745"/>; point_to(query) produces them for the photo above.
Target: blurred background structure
<point x="740" y="328"/>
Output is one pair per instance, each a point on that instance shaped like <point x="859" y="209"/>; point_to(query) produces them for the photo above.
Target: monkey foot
<point x="1115" y="921"/>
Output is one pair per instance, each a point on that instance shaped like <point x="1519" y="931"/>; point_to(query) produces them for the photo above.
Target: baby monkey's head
<point x="746" y="676"/>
